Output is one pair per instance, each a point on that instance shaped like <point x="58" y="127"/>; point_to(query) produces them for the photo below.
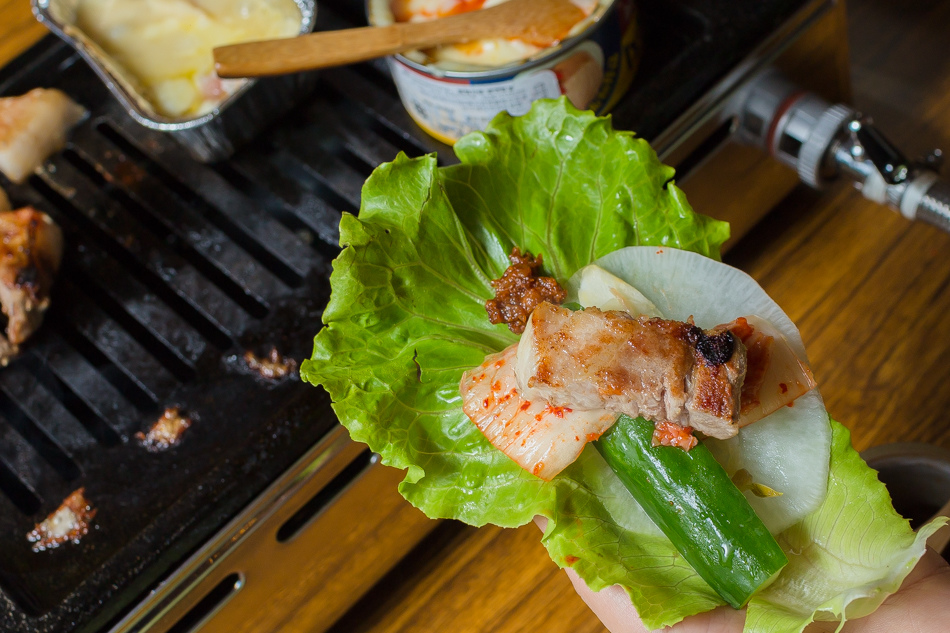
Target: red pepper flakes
<point x="672" y="434"/>
<point x="557" y="411"/>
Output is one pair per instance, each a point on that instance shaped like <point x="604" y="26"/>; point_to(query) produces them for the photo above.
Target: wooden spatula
<point x="540" y="22"/>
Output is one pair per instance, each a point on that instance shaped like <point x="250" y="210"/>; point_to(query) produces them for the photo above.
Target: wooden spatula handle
<point x="326" y="49"/>
<point x="536" y="21"/>
<point x="313" y="51"/>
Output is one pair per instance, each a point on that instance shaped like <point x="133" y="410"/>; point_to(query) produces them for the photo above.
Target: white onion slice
<point x="598" y="288"/>
<point x="788" y="450"/>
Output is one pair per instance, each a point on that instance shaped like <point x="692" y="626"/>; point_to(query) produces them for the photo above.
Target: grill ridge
<point x="296" y="169"/>
<point x="379" y="104"/>
<point x="133" y="392"/>
<point x="93" y="422"/>
<point x="352" y="120"/>
<point x="45" y="445"/>
<point x="21" y="495"/>
<point x="310" y="158"/>
<point x="79" y="379"/>
<point x="293" y="202"/>
<point x="114" y="343"/>
<point x="199" y="189"/>
<point x="146" y="321"/>
<point x="156" y="249"/>
<point x="91" y="261"/>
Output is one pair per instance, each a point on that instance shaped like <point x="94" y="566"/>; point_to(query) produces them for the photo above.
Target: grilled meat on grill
<point x="659" y="369"/>
<point x="33" y="126"/>
<point x="31" y="247"/>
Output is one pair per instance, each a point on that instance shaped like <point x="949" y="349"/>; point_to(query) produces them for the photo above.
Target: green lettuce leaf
<point x="845" y="557"/>
<point x="406" y="318"/>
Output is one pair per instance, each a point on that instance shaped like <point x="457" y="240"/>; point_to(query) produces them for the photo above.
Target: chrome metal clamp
<point x="824" y="142"/>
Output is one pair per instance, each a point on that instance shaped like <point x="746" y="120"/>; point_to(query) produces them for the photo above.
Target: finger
<point x="613" y="607"/>
<point x="921" y="605"/>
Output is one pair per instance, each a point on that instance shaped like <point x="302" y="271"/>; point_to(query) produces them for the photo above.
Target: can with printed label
<point x="593" y="68"/>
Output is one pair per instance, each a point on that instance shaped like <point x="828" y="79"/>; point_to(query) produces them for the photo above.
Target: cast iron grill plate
<point x="172" y="269"/>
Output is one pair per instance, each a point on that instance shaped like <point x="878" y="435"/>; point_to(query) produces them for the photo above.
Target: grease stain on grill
<point x="166" y="432"/>
<point x="68" y="523"/>
<point x="272" y="366"/>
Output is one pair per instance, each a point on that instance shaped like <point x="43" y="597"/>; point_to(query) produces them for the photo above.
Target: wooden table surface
<point x="869" y="290"/>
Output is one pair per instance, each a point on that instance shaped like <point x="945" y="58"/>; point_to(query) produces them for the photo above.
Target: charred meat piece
<point x="70" y="522"/>
<point x="166" y="432"/>
<point x="273" y="366"/>
<point x="33" y="126"/>
<point x="665" y="371"/>
<point x="31" y="248"/>
<point x="520" y="290"/>
<point x="541" y="438"/>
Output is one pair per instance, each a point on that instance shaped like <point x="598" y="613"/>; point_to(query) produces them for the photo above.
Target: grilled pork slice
<point x="32" y="127"/>
<point x="541" y="438"/>
<point x="665" y="371"/>
<point x="31" y="247"/>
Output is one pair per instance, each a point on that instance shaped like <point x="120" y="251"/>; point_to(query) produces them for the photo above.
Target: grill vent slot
<point x="312" y="508"/>
<point x="207" y="606"/>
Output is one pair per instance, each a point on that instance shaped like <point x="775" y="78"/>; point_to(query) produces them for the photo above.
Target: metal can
<point x="593" y="68"/>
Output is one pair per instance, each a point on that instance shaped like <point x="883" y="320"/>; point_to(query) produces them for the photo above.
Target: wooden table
<point x="869" y="290"/>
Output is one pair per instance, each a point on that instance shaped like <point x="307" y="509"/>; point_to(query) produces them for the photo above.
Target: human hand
<point x="922" y="605"/>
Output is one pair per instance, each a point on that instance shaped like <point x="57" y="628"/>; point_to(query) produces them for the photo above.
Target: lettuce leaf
<point x="845" y="557"/>
<point x="406" y="317"/>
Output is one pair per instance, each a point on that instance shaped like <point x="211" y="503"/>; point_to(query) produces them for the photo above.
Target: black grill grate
<point x="172" y="269"/>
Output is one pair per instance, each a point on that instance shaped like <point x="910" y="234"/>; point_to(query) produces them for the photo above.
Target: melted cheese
<point x="166" y="44"/>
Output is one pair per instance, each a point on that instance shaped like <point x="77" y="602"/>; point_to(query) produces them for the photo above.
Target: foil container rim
<point x="41" y="11"/>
